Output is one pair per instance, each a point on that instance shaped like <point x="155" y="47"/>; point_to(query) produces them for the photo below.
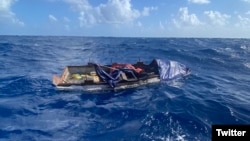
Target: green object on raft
<point x="76" y="76"/>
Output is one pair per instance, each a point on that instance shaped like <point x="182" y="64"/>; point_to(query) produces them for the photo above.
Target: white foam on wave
<point x="170" y="95"/>
<point x="218" y="60"/>
<point x="232" y="113"/>
<point x="234" y="55"/>
<point x="173" y="83"/>
<point x="247" y="64"/>
<point x="172" y="129"/>
<point x="244" y="47"/>
<point x="228" y="51"/>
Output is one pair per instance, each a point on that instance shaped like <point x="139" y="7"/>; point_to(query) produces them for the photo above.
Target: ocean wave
<point x="20" y="85"/>
<point x="216" y="92"/>
<point x="247" y="64"/>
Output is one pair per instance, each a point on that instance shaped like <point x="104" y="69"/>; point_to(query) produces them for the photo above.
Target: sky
<point x="126" y="18"/>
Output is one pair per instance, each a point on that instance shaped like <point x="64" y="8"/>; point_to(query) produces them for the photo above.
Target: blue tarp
<point x="111" y="79"/>
<point x="170" y="70"/>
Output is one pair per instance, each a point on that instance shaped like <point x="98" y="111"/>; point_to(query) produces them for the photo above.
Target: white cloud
<point x="6" y="14"/>
<point x="114" y="11"/>
<point x="217" y="18"/>
<point x="52" y="18"/>
<point x="243" y="22"/>
<point x="118" y="11"/>
<point x="246" y="1"/>
<point x="248" y="13"/>
<point x="146" y="10"/>
<point x="6" y="4"/>
<point x="199" y="1"/>
<point x="185" y="19"/>
<point x="161" y="26"/>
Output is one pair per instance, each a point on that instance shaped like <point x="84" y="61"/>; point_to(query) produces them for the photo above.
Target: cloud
<point x="243" y="22"/>
<point x="248" y="13"/>
<point x="112" y="12"/>
<point x="6" y="4"/>
<point x="52" y="18"/>
<point x="186" y="19"/>
<point x="118" y="11"/>
<point x="146" y="10"/>
<point x="199" y="1"/>
<point x="217" y="18"/>
<point x="161" y="25"/>
<point x="246" y="1"/>
<point x="6" y="14"/>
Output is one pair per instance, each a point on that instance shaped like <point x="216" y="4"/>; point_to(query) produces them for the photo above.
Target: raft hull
<point x="94" y="77"/>
<point x="106" y="87"/>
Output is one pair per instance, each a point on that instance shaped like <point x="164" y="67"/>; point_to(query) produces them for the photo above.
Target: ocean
<point x="32" y="109"/>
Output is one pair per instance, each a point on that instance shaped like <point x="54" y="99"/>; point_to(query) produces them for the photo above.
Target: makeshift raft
<point x="117" y="76"/>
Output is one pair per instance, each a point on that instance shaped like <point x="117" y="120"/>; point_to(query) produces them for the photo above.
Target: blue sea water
<point x="217" y="91"/>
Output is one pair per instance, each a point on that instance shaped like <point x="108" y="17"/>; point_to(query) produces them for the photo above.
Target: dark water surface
<point x="217" y="91"/>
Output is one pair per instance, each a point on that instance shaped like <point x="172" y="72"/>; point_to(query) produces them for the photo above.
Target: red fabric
<point x="129" y="66"/>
